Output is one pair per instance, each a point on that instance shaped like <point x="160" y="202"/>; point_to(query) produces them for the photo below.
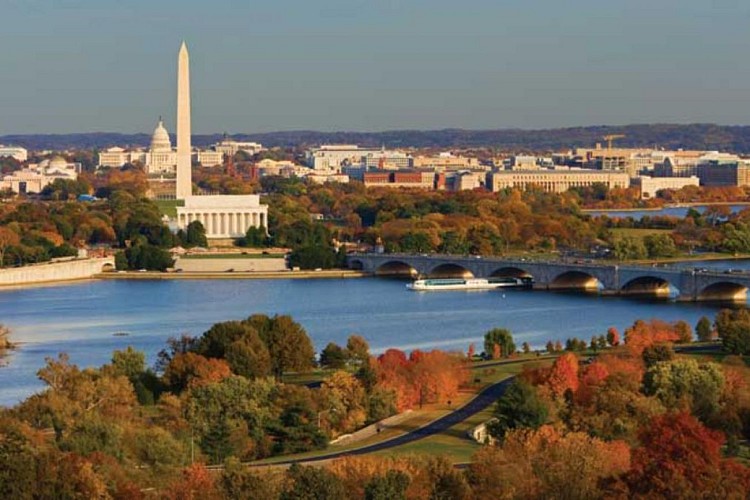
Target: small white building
<point x="650" y="186"/>
<point x="19" y="153"/>
<point x="225" y="216"/>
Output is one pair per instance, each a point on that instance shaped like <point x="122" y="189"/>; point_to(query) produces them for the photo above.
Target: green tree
<point x="313" y="483"/>
<point x="686" y="380"/>
<point x="501" y="337"/>
<point x="17" y="464"/>
<point x="736" y="338"/>
<point x="703" y="329"/>
<point x="239" y="481"/>
<point x="256" y="237"/>
<point x="656" y="354"/>
<point x="629" y="248"/>
<point x="129" y="363"/>
<point x="249" y="356"/>
<point x="520" y="406"/>
<point x="391" y="486"/>
<point x="195" y="235"/>
<point x="288" y="344"/>
<point x="313" y="257"/>
<point x="660" y="245"/>
<point x="333" y="356"/>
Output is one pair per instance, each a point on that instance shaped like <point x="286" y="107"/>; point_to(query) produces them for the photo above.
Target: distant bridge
<point x="607" y="279"/>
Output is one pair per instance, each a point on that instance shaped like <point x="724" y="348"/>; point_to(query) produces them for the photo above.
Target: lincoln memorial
<point x="226" y="216"/>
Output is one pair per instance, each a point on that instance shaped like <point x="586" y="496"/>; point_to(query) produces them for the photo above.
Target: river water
<point x="680" y="212"/>
<point x="80" y="319"/>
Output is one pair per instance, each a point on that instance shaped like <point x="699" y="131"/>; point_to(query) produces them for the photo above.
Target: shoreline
<point x="155" y="275"/>
<point x="669" y="205"/>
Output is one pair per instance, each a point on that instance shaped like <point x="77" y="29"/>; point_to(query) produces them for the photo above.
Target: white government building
<point x="226" y="216"/>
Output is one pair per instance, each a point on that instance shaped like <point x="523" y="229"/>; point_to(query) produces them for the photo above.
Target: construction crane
<point x="611" y="137"/>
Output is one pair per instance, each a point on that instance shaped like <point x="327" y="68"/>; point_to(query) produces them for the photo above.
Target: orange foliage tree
<point x="187" y="370"/>
<point x="547" y="464"/>
<point x="679" y="457"/>
<point x="563" y="376"/>
<point x="423" y="377"/>
<point x="196" y="483"/>
<point x="645" y="334"/>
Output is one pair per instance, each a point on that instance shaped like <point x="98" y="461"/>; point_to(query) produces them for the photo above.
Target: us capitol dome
<point x="160" y="138"/>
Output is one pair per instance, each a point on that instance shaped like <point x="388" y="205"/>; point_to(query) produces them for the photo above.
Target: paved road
<point x="484" y="399"/>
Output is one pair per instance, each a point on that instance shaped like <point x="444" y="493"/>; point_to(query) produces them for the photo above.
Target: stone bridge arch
<point x="396" y="269"/>
<point x="449" y="270"/>
<point x="108" y="267"/>
<point x="510" y="272"/>
<point x="576" y="280"/>
<point x="647" y="286"/>
<point x="723" y="291"/>
<point x="356" y="265"/>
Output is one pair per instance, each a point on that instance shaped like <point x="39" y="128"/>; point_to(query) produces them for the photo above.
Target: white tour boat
<point x="467" y="284"/>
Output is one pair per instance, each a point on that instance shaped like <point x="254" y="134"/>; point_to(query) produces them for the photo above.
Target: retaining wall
<point x="50" y="272"/>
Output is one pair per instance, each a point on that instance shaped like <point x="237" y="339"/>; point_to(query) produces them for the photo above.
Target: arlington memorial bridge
<point x="607" y="279"/>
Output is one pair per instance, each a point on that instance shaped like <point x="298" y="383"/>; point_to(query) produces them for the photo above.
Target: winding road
<point x="481" y="401"/>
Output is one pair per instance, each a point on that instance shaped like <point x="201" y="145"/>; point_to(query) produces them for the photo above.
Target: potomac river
<point x="81" y="318"/>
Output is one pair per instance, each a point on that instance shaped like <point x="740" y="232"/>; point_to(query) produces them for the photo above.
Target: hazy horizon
<point x="85" y="66"/>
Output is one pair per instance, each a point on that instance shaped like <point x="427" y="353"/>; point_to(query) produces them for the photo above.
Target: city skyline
<point x="80" y="66"/>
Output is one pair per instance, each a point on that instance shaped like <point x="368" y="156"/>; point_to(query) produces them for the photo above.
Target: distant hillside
<point x="669" y="136"/>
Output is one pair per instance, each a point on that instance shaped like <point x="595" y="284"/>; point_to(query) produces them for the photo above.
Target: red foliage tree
<point x="613" y="336"/>
<point x="196" y="483"/>
<point x="679" y="457"/>
<point x="564" y="375"/>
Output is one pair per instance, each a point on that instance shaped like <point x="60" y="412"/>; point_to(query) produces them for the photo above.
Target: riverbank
<point x="54" y="272"/>
<point x="668" y="205"/>
<point x="224" y="275"/>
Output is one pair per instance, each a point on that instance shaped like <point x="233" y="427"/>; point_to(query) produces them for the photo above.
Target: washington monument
<point x="184" y="188"/>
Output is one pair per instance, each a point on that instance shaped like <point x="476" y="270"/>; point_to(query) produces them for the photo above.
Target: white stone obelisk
<point x="184" y="187"/>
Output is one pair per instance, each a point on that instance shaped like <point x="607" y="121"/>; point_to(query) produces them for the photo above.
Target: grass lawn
<point x="233" y="256"/>
<point x="623" y="232"/>
<point x="169" y="207"/>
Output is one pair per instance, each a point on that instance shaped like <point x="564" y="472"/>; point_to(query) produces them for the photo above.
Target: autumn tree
<point x="344" y="402"/>
<point x="501" y="337"/>
<point x="8" y="238"/>
<point x="564" y="375"/>
<point x="437" y="375"/>
<point x="544" y="463"/>
<point x="613" y="337"/>
<point x="190" y="370"/>
<point x="644" y="334"/>
<point x="358" y="350"/>
<point x="684" y="332"/>
<point x="680" y="458"/>
<point x="195" y="482"/>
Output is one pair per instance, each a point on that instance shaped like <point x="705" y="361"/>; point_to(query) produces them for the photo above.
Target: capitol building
<point x="160" y="158"/>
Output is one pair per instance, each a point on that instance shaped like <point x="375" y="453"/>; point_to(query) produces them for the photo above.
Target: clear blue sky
<point x="106" y="65"/>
